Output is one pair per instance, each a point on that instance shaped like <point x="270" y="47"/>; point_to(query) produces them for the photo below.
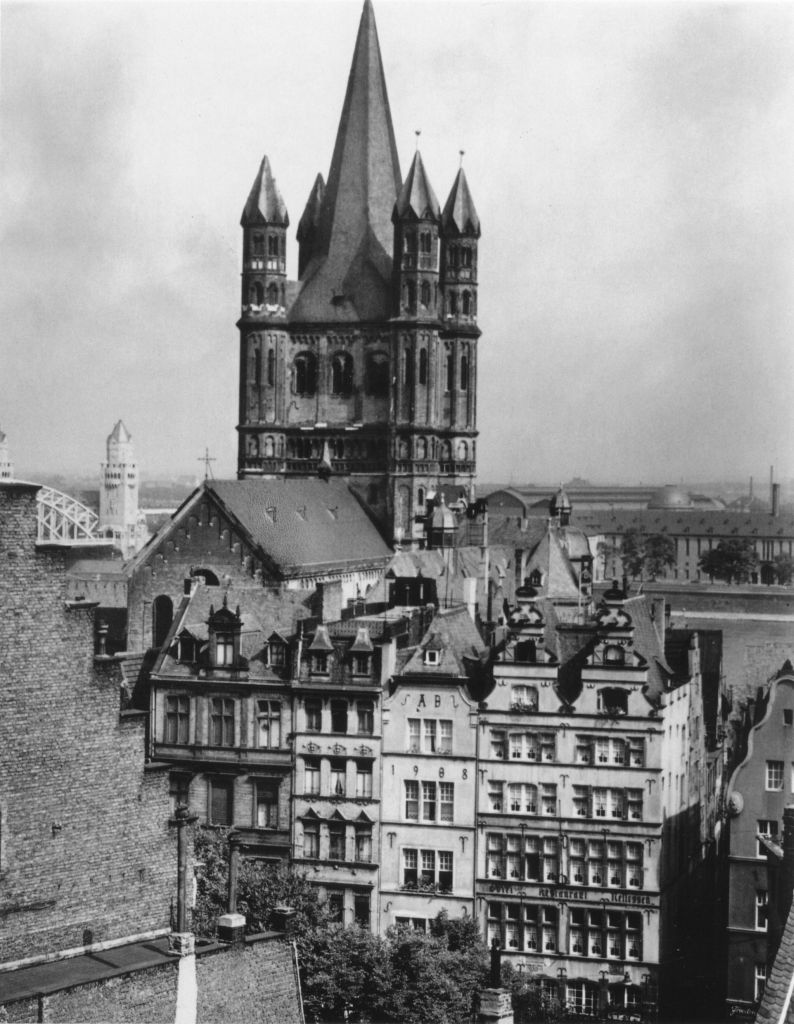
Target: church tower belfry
<point x="366" y="365"/>
<point x="118" y="491"/>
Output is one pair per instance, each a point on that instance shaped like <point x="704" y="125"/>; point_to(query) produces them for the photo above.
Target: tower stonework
<point x="369" y="360"/>
<point x="6" y="465"/>
<point x="118" y="491"/>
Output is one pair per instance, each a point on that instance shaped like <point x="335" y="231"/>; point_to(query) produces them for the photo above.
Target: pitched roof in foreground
<point x="456" y="639"/>
<point x="777" y="1003"/>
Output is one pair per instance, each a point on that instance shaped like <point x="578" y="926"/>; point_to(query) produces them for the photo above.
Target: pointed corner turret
<point x="119" y="434"/>
<point x="264" y="204"/>
<point x="309" y="224"/>
<point x="460" y="214"/>
<point x="416" y="217"/>
<point x="417" y="198"/>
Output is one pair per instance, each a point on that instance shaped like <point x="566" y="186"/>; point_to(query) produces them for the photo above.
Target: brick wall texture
<point x="86" y="851"/>
<point x="253" y="984"/>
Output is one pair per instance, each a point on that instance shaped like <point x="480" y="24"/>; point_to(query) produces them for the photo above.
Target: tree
<point x="632" y="552"/>
<point x="658" y="554"/>
<point x="784" y="569"/>
<point x="346" y="976"/>
<point x="609" y="554"/>
<point x="732" y="560"/>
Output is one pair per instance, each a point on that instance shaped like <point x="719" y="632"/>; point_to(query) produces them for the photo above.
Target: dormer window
<point x="276" y="651"/>
<point x="224" y="649"/>
<point x="614" y="655"/>
<point x="432" y="657"/>
<point x="186" y="649"/>
<point x="224" y="636"/>
<point x="535" y="578"/>
<point x="613" y="701"/>
<point x="320" y="663"/>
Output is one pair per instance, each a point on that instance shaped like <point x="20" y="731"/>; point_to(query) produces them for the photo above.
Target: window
<point x="271" y="367"/>
<point x="498" y="744"/>
<point x="305" y="374"/>
<point x="425" y="243"/>
<point x="613" y="701"/>
<point x="258" y="245"/>
<point x="582" y="997"/>
<point x="177" y="719"/>
<point x="524" y="698"/>
<point x="445" y="871"/>
<point x="636" y="752"/>
<point x="424" y="293"/>
<point x="415" y="924"/>
<point x="272" y="245"/>
<point x="774" y="775"/>
<point x="760" y="981"/>
<point x="266" y="805"/>
<point x="276" y="653"/>
<point x="363" y="781"/>
<point x="342" y="373"/>
<point x="314" y="711"/>
<point x="788" y="716"/>
<point x="224" y="650"/>
<point x="495" y="796"/>
<point x="450" y="371"/>
<point x="766" y="828"/>
<point x="613" y="655"/>
<point x="464" y="373"/>
<point x="221" y="722"/>
<point x="361" y="664"/>
<point x="377" y="374"/>
<point x="522" y="798"/>
<point x="361" y="911"/>
<point x="411" y="800"/>
<point x="428" y="869"/>
<point x="531" y="928"/>
<point x="445" y="741"/>
<point x="548" y="799"/>
<point x="446" y="796"/>
<point x="467" y="307"/>
<point x="311" y="840"/>
<point x="338" y="716"/>
<point x="220" y="801"/>
<point x="363" y="844"/>
<point x="179" y="790"/>
<point x="312" y="777"/>
<point x="336" y="904"/>
<point x="423" y="366"/>
<point x="320" y="663"/>
<point x="268" y="724"/>
<point x="761" y="910"/>
<point x="365" y="714"/>
<point x="337" y="777"/>
<point x="428" y="801"/>
<point x="336" y="841"/>
<point x="432" y="657"/>
<point x="414" y="735"/>
<point x="410" y="862"/>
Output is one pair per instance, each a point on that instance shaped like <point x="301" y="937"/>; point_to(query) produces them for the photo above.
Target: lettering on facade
<point x="742" y="1011"/>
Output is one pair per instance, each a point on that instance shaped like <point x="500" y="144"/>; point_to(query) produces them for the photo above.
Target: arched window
<point x="613" y="654"/>
<point x="462" y="451"/>
<point x="377" y="373"/>
<point x="467" y="303"/>
<point x="205" y="576"/>
<point x="425" y="242"/>
<point x="256" y="293"/>
<point x="421" y="448"/>
<point x="408" y="368"/>
<point x="423" y="366"/>
<point x="162" y="617"/>
<point x="465" y="256"/>
<point x="270" y="448"/>
<point x="452" y="255"/>
<point x="410" y="294"/>
<point x="403" y="449"/>
<point x="464" y="373"/>
<point x="342" y="373"/>
<point x="409" y="241"/>
<point x="257" y="367"/>
<point x="445" y="452"/>
<point x="453" y="303"/>
<point x="420" y="499"/>
<point x="425" y="293"/>
<point x="272" y="245"/>
<point x="272" y="294"/>
<point x="450" y="371"/>
<point x="305" y="377"/>
<point x="258" y="245"/>
<point x="271" y="367"/>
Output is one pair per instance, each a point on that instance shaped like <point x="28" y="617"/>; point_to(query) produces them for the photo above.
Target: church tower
<point x="367" y="364"/>
<point x="6" y="465"/>
<point x="118" y="491"/>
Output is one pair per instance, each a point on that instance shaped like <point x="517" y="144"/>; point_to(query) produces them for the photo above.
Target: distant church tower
<point x="6" y="465"/>
<point x="118" y="491"/>
<point x="371" y="356"/>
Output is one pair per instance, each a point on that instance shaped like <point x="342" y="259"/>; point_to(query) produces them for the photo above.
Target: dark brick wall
<point x="256" y="984"/>
<point x="87" y="853"/>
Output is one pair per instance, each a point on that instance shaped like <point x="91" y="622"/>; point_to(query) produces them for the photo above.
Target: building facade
<point x="367" y="365"/>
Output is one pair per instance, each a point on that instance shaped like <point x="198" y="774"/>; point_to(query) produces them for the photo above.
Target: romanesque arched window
<point x="342" y="373"/>
<point x="305" y="374"/>
<point x="453" y="303"/>
<point x="425" y="293"/>
<point x="450" y="371"/>
<point x="269" y="449"/>
<point x="421" y="448"/>
<point x="377" y="376"/>
<point x="410" y="294"/>
<point x="162" y="617"/>
<point x="464" y="373"/>
<point x="462" y="451"/>
<point x="271" y="367"/>
<point x="272" y="294"/>
<point x="258" y="245"/>
<point x="467" y="310"/>
<point x="256" y="293"/>
<point x="423" y="366"/>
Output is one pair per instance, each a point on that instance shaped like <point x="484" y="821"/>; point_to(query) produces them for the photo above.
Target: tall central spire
<point x="349" y="275"/>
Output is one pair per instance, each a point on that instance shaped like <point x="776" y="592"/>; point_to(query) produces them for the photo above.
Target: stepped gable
<point x="348" y="278"/>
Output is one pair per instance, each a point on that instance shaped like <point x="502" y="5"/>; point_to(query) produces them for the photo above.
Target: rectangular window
<point x="788" y="716"/>
<point x="581" y="801"/>
<point x="312" y="776"/>
<point x="410" y="862"/>
<point x="266" y="805"/>
<point x="548" y="798"/>
<point x="413" y="735"/>
<point x="427" y="860"/>
<point x="338" y="777"/>
<point x="268" y="724"/>
<point x="428" y="801"/>
<point x="179" y="790"/>
<point x="494" y="856"/>
<point x="336" y="905"/>
<point x="365" y="713"/>
<point x="636" y="752"/>
<point x="429" y="735"/>
<point x="774" y="775"/>
<point x="760" y="910"/>
<point x="495" y="796"/>
<point x="411" y="800"/>
<point x="221" y="722"/>
<point x="314" y="715"/>
<point x="320" y="663"/>
<point x="361" y="912"/>
<point x="361" y="663"/>
<point x="634" y="804"/>
<point x="224" y="649"/>
<point x="446" y="795"/>
<point x="177" y="719"/>
<point x="364" y="781"/>
<point x="338" y="716"/>
<point x="584" y="750"/>
<point x="220" y="801"/>
<point x="760" y="981"/>
<point x="766" y="828"/>
<point x="311" y="840"/>
<point x="336" y="842"/>
<point x="498" y="744"/>
<point x="445" y="740"/>
<point x="363" y="844"/>
<point x="445" y="871"/>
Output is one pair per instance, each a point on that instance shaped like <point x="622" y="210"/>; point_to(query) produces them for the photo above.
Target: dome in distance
<point x="671" y="496"/>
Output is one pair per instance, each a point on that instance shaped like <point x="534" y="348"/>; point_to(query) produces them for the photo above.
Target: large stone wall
<point x="87" y="853"/>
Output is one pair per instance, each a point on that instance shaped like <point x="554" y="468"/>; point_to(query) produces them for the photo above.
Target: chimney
<point x="329" y="599"/>
<point x="775" y="500"/>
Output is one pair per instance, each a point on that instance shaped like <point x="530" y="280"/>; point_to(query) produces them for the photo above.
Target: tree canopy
<point x="651" y="555"/>
<point x="733" y="560"/>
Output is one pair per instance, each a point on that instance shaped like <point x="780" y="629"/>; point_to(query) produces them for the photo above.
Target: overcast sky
<point x="632" y="164"/>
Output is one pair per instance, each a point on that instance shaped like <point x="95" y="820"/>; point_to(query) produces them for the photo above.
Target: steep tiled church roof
<point x="349" y="276"/>
<point x="417" y="195"/>
<point x="264" y="204"/>
<point x="777" y="1004"/>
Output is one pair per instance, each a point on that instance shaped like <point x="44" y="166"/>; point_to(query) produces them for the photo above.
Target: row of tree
<point x="347" y="973"/>
<point x="733" y="560"/>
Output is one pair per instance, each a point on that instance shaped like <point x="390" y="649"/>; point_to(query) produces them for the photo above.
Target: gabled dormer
<point x="225" y="628"/>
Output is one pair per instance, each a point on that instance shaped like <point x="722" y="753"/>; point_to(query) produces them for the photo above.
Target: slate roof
<point x="695" y="522"/>
<point x="264" y="204"/>
<point x="455" y="636"/>
<point x="777" y="1005"/>
<point x="459" y="210"/>
<point x="349" y="276"/>
<point x="417" y="196"/>
<point x="550" y="558"/>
